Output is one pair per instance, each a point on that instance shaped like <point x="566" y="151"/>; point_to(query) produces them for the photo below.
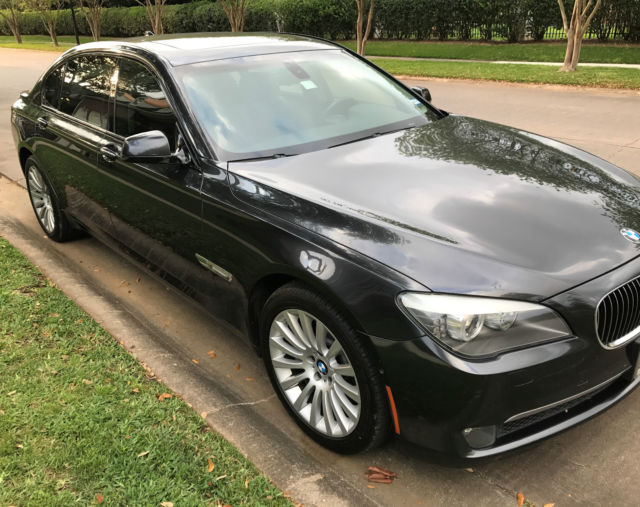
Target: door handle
<point x="109" y="152"/>
<point x="43" y="122"/>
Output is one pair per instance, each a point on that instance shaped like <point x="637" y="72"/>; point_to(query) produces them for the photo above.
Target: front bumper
<point x="521" y="396"/>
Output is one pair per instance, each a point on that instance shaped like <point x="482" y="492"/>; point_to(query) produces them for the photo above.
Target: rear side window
<point x="141" y="105"/>
<point x="51" y="88"/>
<point x="86" y="89"/>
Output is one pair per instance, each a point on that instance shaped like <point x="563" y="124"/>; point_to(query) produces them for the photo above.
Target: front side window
<point x="51" y="88"/>
<point x="86" y="89"/>
<point x="290" y="103"/>
<point x="141" y="105"/>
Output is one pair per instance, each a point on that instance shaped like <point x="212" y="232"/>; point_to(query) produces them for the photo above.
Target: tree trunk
<point x="575" y="28"/>
<point x="359" y="28"/>
<point x="54" y="36"/>
<point x="577" y="46"/>
<point x="361" y="38"/>
<point x="12" y="20"/>
<point x="568" y="56"/>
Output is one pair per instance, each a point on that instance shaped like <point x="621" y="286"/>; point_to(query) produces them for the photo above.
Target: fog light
<point x="480" y="437"/>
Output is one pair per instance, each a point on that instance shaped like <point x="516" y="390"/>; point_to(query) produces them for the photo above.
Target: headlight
<point x="481" y="326"/>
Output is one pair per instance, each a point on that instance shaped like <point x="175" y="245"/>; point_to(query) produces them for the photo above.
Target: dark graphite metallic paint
<point x="455" y="206"/>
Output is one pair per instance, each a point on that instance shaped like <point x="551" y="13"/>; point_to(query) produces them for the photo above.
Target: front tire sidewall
<point x="366" y="433"/>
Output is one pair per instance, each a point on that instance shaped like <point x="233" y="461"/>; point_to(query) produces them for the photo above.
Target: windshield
<point x="291" y="103"/>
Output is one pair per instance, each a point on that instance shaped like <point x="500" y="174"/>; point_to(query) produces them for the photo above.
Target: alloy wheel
<point x="41" y="198"/>
<point x="314" y="373"/>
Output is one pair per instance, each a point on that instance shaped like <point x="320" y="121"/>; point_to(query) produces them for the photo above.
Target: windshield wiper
<point x="266" y="157"/>
<point x="370" y="136"/>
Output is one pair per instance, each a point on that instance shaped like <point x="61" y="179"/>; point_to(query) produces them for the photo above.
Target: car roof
<point x="183" y="49"/>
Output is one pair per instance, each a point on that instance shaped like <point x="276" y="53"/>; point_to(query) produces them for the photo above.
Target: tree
<point x="362" y="37"/>
<point x="234" y="9"/>
<point x="581" y="16"/>
<point x="48" y="11"/>
<point x="92" y="10"/>
<point x="155" y="11"/>
<point x="10" y="11"/>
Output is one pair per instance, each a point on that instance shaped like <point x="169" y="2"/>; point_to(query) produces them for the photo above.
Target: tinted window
<point x="51" y="88"/>
<point x="86" y="89"/>
<point x="141" y="105"/>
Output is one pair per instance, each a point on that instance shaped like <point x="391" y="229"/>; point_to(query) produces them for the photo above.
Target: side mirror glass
<point x="423" y="92"/>
<point x="152" y="146"/>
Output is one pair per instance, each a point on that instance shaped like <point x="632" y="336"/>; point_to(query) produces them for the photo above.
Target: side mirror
<point x="423" y="92"/>
<point x="152" y="146"/>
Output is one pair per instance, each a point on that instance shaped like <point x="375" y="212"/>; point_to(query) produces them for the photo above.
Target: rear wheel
<point x="323" y="372"/>
<point x="45" y="205"/>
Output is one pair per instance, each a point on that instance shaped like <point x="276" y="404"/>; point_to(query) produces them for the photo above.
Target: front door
<point x="155" y="207"/>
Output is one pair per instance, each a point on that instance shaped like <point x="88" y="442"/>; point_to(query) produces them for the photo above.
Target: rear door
<point x="77" y="113"/>
<point x="155" y="207"/>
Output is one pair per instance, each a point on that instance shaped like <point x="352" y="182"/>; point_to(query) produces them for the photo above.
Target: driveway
<point x="593" y="464"/>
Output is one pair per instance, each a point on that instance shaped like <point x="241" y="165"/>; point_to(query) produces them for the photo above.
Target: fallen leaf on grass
<point x="246" y="484"/>
<point x="165" y="504"/>
<point x="203" y="415"/>
<point x="470" y="470"/>
<point x="195" y="361"/>
<point x="371" y="486"/>
<point x="211" y="466"/>
<point x="19" y="446"/>
<point x="11" y="393"/>
<point x="86" y="381"/>
<point x="64" y="357"/>
<point x="164" y="396"/>
<point x="212" y="354"/>
<point x="99" y="498"/>
<point x="549" y="505"/>
<point x="135" y="390"/>
<point x="237" y="367"/>
<point x="249" y="379"/>
<point x="221" y="477"/>
<point x="143" y="454"/>
<point x="520" y="499"/>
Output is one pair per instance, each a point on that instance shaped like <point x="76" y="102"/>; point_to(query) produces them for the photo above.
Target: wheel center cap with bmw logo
<point x="322" y="367"/>
<point x="631" y="235"/>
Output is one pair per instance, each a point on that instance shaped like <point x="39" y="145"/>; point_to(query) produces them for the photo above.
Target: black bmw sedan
<point x="470" y="287"/>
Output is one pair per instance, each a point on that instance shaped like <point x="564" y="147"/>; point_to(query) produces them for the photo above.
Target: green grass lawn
<point x="526" y="52"/>
<point x="42" y="42"/>
<point x="605" y="77"/>
<point x="80" y="419"/>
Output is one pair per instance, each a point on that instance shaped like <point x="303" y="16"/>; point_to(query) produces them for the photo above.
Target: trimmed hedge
<point x="324" y="18"/>
<point x="335" y="19"/>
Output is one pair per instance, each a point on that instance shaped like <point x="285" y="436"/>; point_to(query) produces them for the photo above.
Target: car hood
<point x="460" y="205"/>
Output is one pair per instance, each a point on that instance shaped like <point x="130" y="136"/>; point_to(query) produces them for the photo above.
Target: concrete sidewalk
<point x="460" y="60"/>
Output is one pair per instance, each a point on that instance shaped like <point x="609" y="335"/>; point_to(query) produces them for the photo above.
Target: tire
<point x="330" y="384"/>
<point x="45" y="204"/>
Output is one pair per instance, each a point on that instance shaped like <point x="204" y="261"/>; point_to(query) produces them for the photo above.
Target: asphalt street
<point x="593" y="464"/>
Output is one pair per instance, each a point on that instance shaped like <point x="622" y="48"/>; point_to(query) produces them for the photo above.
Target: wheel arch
<point x="268" y="284"/>
<point x="23" y="154"/>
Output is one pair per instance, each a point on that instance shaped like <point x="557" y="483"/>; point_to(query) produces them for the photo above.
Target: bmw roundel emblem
<point x="631" y="235"/>
<point x="322" y="367"/>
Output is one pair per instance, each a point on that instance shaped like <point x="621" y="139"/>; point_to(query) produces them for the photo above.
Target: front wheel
<point x="323" y="372"/>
